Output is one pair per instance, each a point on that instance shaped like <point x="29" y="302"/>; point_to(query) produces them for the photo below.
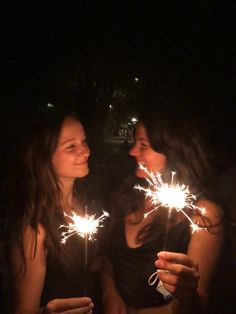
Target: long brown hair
<point x="39" y="197"/>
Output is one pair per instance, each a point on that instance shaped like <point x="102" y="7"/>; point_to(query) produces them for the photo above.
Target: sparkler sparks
<point x="86" y="226"/>
<point x="171" y="196"/>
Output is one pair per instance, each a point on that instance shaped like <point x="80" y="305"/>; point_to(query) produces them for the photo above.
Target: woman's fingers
<point x="180" y="273"/>
<point x="84" y="304"/>
<point x="178" y="269"/>
<point x="178" y="281"/>
<point x="176" y="258"/>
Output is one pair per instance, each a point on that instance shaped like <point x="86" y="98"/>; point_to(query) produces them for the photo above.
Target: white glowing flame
<point x="171" y="196"/>
<point x="86" y="226"/>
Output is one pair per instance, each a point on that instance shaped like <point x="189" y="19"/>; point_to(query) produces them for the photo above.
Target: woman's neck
<point x="67" y="191"/>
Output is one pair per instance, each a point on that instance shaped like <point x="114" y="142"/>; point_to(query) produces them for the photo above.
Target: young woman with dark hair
<point x="48" y="276"/>
<point x="165" y="140"/>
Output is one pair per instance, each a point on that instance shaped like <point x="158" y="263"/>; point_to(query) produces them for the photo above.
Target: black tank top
<point x="133" y="266"/>
<point x="75" y="282"/>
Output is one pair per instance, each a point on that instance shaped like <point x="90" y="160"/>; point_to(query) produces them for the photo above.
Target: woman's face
<point x="145" y="154"/>
<point x="70" y="159"/>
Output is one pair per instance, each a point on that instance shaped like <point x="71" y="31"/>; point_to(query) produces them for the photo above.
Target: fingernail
<point x="161" y="254"/>
<point x="159" y="264"/>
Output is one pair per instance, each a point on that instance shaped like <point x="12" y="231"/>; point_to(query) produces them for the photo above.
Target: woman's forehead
<point x="141" y="131"/>
<point x="71" y="127"/>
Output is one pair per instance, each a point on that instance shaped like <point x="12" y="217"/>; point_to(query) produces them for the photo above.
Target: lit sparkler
<point x="86" y="226"/>
<point x="171" y="196"/>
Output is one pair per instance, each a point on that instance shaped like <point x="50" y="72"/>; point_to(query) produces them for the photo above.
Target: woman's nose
<point x="133" y="151"/>
<point x="84" y="150"/>
<point x="87" y="151"/>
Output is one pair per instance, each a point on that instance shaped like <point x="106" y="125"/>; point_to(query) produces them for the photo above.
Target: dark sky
<point x="183" y="35"/>
<point x="182" y="47"/>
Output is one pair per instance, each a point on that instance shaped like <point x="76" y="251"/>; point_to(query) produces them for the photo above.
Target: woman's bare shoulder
<point x="212" y="212"/>
<point x="212" y="209"/>
<point x="32" y="237"/>
<point x="29" y="232"/>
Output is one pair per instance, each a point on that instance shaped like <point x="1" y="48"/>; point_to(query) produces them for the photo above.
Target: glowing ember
<point x="171" y="196"/>
<point x="86" y="226"/>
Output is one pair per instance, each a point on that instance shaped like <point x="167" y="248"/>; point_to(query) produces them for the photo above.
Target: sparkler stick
<point x="86" y="227"/>
<point x="167" y="228"/>
<point x="85" y="255"/>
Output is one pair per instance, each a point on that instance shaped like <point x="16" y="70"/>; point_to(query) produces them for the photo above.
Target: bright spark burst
<point x="86" y="226"/>
<point x="171" y="196"/>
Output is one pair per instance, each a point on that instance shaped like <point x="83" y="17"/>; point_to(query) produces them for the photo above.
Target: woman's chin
<point x="85" y="172"/>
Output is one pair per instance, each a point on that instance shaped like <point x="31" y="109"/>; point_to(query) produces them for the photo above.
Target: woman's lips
<point x="81" y="163"/>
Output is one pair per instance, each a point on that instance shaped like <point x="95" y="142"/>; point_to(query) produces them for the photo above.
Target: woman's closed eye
<point x="143" y="146"/>
<point x="70" y="147"/>
<point x="74" y="146"/>
<point x="85" y="142"/>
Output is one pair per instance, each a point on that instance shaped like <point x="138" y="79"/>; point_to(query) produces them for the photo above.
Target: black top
<point x="78" y="281"/>
<point x="73" y="282"/>
<point x="133" y="266"/>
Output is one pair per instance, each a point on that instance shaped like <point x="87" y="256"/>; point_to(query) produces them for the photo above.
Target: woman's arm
<point x="28" y="285"/>
<point x="190" y="275"/>
<point x="205" y="247"/>
<point x="112" y="301"/>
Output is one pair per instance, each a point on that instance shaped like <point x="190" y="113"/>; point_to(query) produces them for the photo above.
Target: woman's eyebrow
<point x="71" y="140"/>
<point x="142" y="139"/>
<point x="67" y="140"/>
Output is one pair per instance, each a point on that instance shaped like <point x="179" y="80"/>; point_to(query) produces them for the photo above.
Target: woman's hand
<point x="71" y="305"/>
<point x="180" y="274"/>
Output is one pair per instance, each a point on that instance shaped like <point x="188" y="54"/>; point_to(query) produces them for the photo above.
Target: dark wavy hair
<point x="175" y="133"/>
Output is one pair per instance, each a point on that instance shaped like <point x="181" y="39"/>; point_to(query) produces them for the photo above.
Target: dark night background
<point x="88" y="55"/>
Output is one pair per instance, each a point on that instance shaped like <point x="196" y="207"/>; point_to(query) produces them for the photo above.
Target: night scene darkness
<point x="108" y="60"/>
